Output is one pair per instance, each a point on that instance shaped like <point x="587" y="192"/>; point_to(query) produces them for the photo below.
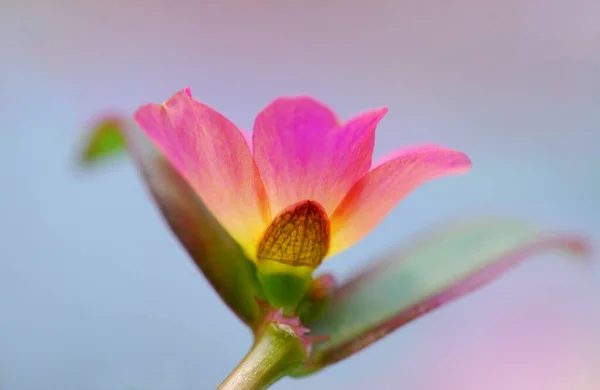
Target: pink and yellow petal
<point x="376" y="193"/>
<point x="212" y="155"/>
<point x="212" y="249"/>
<point x="303" y="153"/>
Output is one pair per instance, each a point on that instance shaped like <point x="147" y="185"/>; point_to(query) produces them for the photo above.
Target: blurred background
<point x="96" y="294"/>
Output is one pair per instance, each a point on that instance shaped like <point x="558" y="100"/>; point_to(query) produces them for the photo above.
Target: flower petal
<point x="213" y="250"/>
<point x="303" y="153"/>
<point x="376" y="193"/>
<point x="458" y="259"/>
<point x="211" y="154"/>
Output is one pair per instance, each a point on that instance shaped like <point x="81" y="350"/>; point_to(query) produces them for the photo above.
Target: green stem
<point x="275" y="353"/>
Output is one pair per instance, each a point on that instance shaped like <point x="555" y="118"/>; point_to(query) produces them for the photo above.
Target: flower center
<point x="298" y="236"/>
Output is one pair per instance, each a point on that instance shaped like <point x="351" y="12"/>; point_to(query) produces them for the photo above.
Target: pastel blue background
<point x="95" y="294"/>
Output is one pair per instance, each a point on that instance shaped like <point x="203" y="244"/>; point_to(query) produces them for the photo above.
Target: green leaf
<point x="432" y="272"/>
<point x="212" y="249"/>
<point x="105" y="141"/>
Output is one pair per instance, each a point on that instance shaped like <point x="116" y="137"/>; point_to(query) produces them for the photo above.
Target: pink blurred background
<point x="94" y="294"/>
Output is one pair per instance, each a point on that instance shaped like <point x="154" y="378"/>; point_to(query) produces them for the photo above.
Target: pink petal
<point x="375" y="194"/>
<point x="303" y="153"/>
<point x="211" y="154"/>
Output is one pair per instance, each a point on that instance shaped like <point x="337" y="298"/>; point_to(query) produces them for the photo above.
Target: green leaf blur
<point x="430" y="273"/>
<point x="105" y="141"/>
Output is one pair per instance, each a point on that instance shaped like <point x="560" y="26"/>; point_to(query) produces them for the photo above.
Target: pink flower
<point x="300" y="189"/>
<point x="303" y="187"/>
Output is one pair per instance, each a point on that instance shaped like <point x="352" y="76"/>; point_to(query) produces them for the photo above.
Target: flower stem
<point x="275" y="353"/>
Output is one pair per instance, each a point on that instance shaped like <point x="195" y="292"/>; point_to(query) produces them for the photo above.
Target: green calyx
<point x="284" y="286"/>
<point x="294" y="291"/>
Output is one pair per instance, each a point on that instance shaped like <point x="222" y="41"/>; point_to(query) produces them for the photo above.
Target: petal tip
<point x="383" y="110"/>
<point x="378" y="113"/>
<point x="461" y="163"/>
<point x="455" y="162"/>
<point x="303" y="105"/>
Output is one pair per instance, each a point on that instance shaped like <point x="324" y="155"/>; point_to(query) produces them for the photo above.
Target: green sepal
<point x="284" y="286"/>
